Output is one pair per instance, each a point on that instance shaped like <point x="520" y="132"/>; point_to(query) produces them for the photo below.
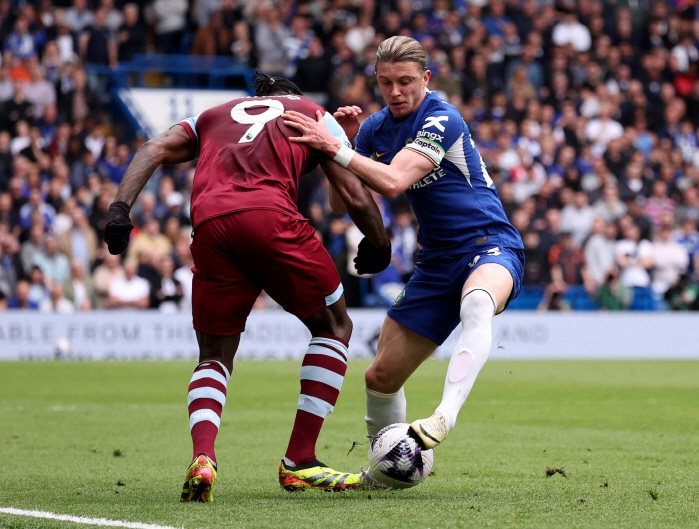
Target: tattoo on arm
<point x="169" y="148"/>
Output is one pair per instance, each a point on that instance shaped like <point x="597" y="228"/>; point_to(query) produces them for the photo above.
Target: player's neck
<point x="422" y="99"/>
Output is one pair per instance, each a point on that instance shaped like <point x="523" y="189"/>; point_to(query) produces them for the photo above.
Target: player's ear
<point x="426" y="78"/>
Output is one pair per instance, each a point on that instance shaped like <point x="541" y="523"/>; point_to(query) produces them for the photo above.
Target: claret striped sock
<point x="206" y="398"/>
<point x="322" y="374"/>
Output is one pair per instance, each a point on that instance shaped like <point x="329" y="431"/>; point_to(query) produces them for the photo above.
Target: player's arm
<point x="336" y="203"/>
<point x="406" y="168"/>
<point x="358" y="202"/>
<point x="374" y="252"/>
<point x="171" y="147"/>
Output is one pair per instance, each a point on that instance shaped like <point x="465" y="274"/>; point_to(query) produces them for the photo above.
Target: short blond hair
<point x="401" y="49"/>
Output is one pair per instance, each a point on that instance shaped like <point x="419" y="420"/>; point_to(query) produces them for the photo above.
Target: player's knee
<point x="477" y="305"/>
<point x="377" y="378"/>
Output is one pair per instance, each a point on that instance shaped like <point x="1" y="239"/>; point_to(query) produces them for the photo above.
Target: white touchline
<point x="79" y="519"/>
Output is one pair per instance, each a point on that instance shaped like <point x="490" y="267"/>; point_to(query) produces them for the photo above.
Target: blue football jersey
<point x="456" y="204"/>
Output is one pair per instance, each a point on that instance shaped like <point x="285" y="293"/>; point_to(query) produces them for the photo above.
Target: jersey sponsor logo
<point x="435" y="121"/>
<point x="431" y="135"/>
<point x="382" y="154"/>
<point x="435" y="175"/>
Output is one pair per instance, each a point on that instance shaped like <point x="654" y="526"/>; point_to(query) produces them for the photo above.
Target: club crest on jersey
<point x="435" y="121"/>
<point x="431" y="135"/>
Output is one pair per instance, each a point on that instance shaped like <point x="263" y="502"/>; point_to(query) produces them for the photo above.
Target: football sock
<point x="383" y="409"/>
<point x="471" y="352"/>
<point x="322" y="373"/>
<point x="206" y="398"/>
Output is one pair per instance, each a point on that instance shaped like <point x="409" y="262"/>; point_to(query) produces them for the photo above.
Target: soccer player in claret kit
<point x="471" y="261"/>
<point x="248" y="236"/>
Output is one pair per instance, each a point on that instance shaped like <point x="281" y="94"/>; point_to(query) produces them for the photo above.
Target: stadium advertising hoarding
<point x="151" y="335"/>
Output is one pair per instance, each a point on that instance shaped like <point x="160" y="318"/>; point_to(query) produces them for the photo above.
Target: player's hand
<point x="118" y="227"/>
<point x="348" y="118"/>
<point x="315" y="133"/>
<point x="370" y="259"/>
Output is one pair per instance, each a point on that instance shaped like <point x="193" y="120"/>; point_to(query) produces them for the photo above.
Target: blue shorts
<point x="430" y="302"/>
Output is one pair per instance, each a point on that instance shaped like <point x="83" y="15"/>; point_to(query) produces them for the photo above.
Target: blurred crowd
<point x="585" y="113"/>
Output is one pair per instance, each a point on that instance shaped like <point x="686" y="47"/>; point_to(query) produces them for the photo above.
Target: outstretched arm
<point x="169" y="148"/>
<point x="406" y="168"/>
<point x="359" y="203"/>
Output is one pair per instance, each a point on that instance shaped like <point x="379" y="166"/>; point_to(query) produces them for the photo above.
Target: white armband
<point x="344" y="156"/>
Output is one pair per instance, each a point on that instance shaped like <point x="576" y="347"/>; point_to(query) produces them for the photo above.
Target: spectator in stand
<point x="8" y="214"/>
<point x="610" y="208"/>
<point x="313" y="71"/>
<point x="78" y="17"/>
<point x="568" y="256"/>
<point x="105" y="274"/>
<point x="670" y="261"/>
<point x="131" y="291"/>
<point x="577" y="218"/>
<point x="554" y="294"/>
<point x="53" y="263"/>
<point x="38" y="91"/>
<point x="270" y="35"/>
<point x="131" y="37"/>
<point x="569" y="31"/>
<point x="38" y="290"/>
<point x="688" y="236"/>
<point x="536" y="266"/>
<point x="634" y="257"/>
<point x="403" y="243"/>
<point x="600" y="255"/>
<point x="79" y="101"/>
<point x="80" y="289"/>
<point x="170" y="19"/>
<point x="242" y="47"/>
<point x="79" y="243"/>
<point x="15" y="109"/>
<point x="114" y="17"/>
<point x="613" y="294"/>
<point x="213" y="38"/>
<point x="21" y="299"/>
<point x="689" y="208"/>
<point x="21" y="44"/>
<point x="603" y="129"/>
<point x="36" y="204"/>
<point x="57" y="302"/>
<point x="684" y="295"/>
<point x="166" y="292"/>
<point x="184" y="273"/>
<point x="658" y="203"/>
<point x="97" y="44"/>
<point x="149" y="240"/>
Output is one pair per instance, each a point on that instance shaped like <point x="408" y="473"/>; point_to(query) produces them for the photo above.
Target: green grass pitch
<point x="625" y="433"/>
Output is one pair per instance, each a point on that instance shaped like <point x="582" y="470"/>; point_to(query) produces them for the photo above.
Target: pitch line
<point x="103" y="522"/>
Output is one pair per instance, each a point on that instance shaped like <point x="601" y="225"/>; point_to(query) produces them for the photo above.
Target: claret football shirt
<point x="246" y="160"/>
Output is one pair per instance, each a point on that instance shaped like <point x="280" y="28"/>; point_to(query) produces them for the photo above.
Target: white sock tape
<point x="344" y="156"/>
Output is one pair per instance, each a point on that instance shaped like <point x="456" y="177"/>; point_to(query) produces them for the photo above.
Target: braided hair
<point x="274" y="86"/>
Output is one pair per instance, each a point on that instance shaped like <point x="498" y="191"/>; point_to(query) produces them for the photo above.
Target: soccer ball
<point x="396" y="459"/>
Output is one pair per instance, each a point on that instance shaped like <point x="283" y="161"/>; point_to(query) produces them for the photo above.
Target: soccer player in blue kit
<point x="471" y="261"/>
